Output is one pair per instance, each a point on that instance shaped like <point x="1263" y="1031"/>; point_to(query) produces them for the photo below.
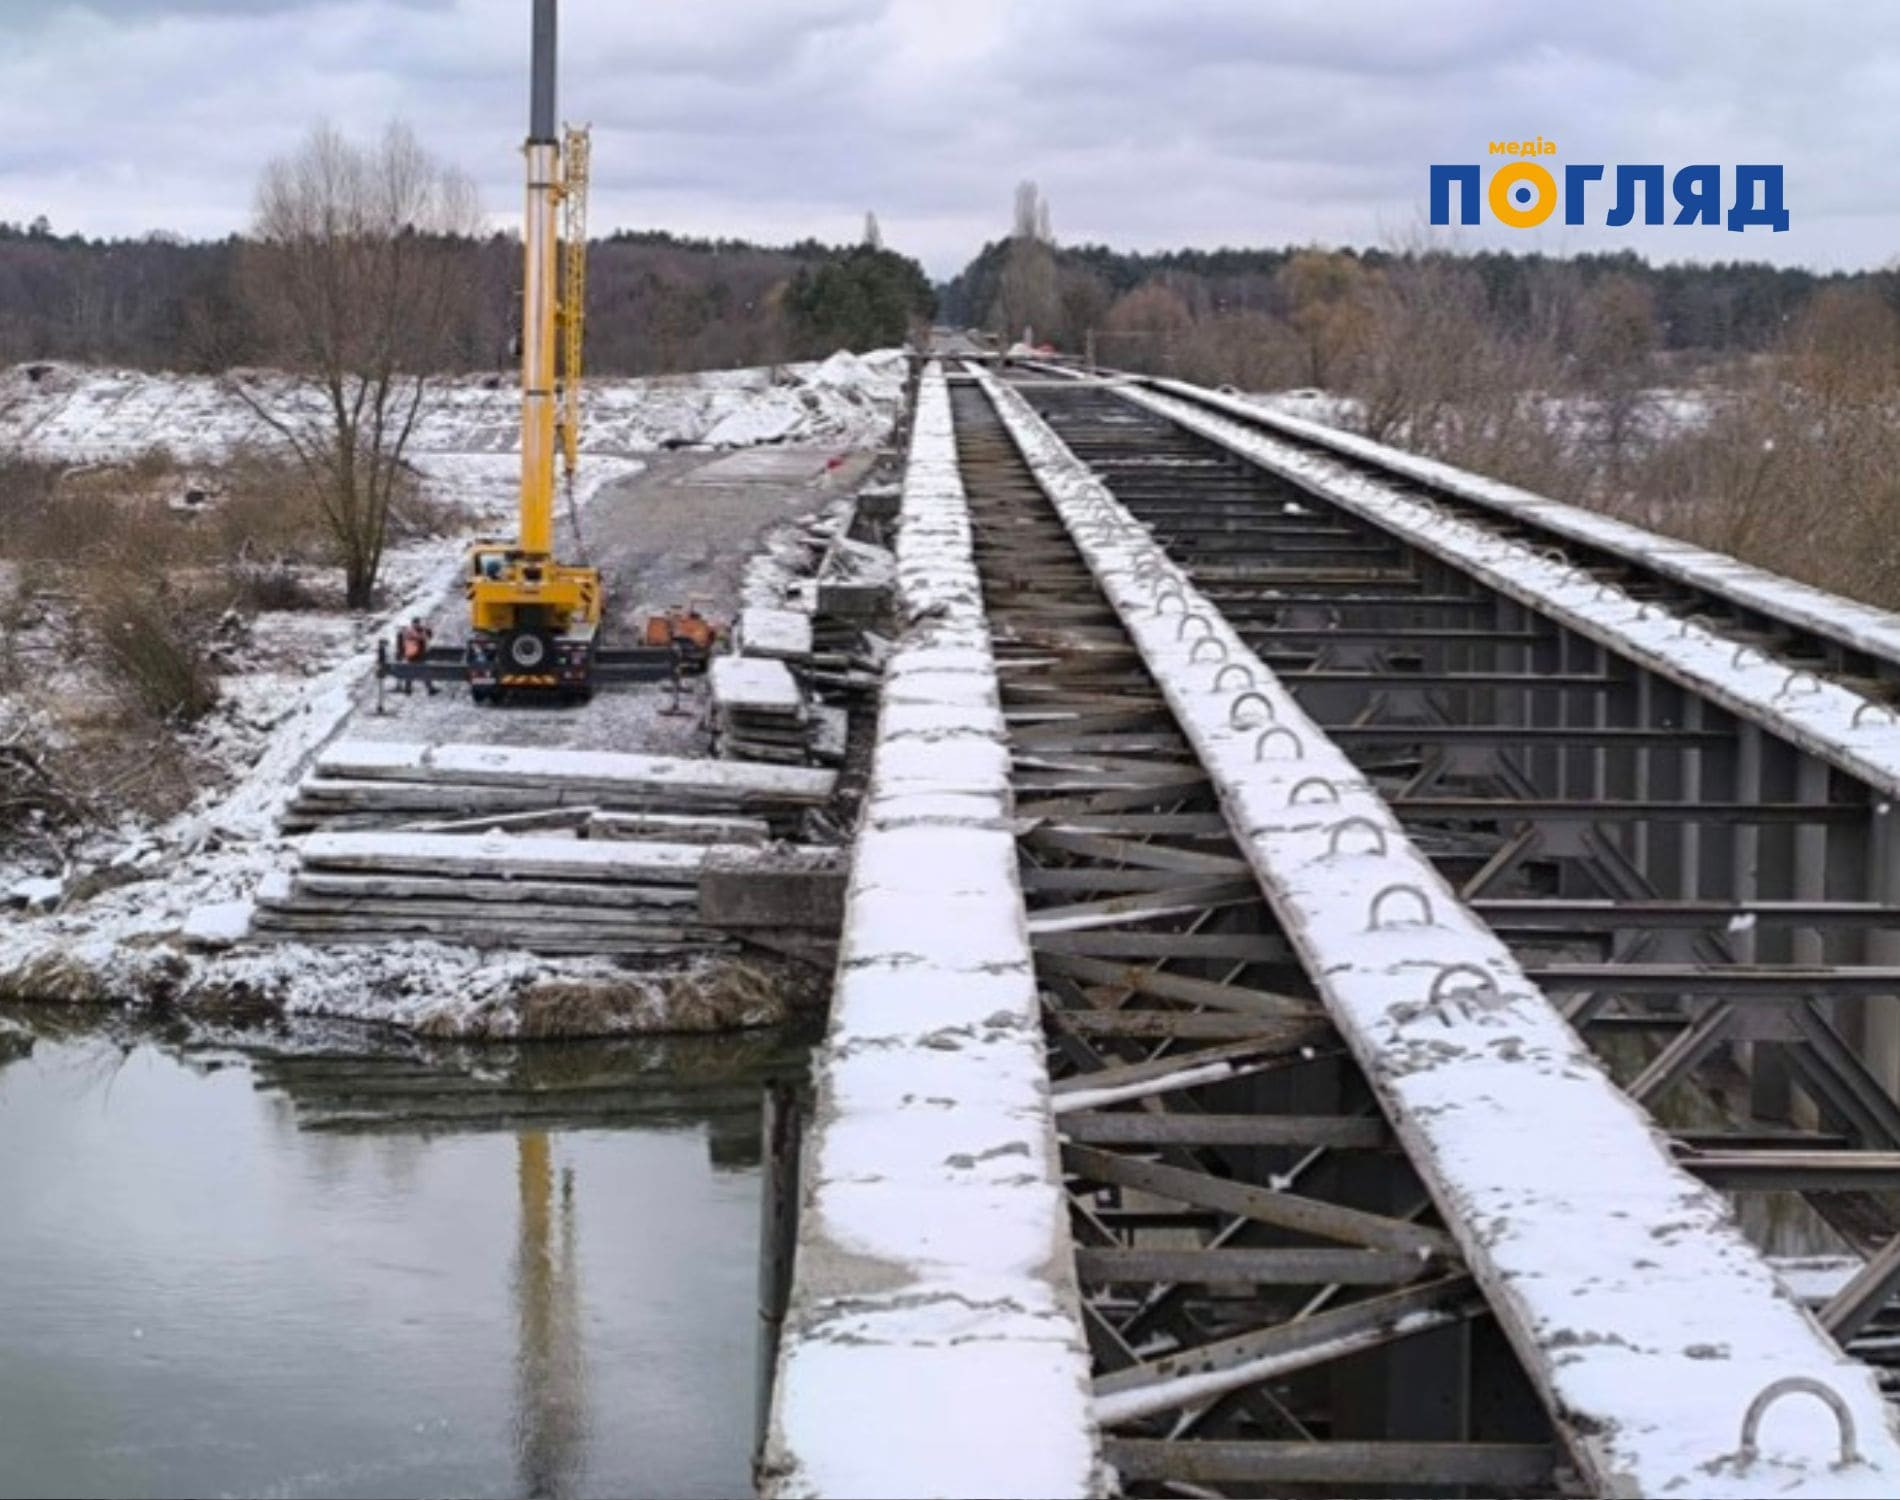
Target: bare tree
<point x="1616" y="349"/>
<point x="1028" y="292"/>
<point x="1028" y="298"/>
<point x="1326" y="297"/>
<point x="354" y="280"/>
<point x="1147" y="328"/>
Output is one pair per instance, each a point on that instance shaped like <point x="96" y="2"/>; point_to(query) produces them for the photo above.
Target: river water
<point x="352" y="1271"/>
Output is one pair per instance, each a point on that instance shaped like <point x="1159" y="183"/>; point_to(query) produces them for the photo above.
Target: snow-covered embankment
<point x="162" y="936"/>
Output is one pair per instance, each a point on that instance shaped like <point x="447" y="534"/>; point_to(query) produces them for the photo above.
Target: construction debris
<point x="781" y="634"/>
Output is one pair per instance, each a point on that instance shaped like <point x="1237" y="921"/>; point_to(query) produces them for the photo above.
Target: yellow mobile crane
<point x="534" y="621"/>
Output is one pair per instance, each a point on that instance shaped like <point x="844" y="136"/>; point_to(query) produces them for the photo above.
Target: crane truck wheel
<point x="527" y="650"/>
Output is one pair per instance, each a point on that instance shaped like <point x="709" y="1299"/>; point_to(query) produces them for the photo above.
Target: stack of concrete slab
<point x="363" y="785"/>
<point x="609" y="897"/>
<point x="534" y="894"/>
<point x="553" y="852"/>
<point x="759" y="711"/>
<point x="778" y="634"/>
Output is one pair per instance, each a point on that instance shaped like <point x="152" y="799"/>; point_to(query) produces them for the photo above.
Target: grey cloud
<point x="1149" y="122"/>
<point x="43" y="12"/>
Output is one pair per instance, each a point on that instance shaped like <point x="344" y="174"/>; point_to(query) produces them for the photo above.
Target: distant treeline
<point x="1722" y="307"/>
<point x="657" y="302"/>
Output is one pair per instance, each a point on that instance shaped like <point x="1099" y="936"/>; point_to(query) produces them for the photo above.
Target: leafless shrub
<point x="26" y="492"/>
<point x="264" y="512"/>
<point x="152" y="643"/>
<point x="415" y="514"/>
<point x="276" y="586"/>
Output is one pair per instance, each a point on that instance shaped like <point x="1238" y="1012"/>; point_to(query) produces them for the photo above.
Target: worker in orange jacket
<point x="412" y="647"/>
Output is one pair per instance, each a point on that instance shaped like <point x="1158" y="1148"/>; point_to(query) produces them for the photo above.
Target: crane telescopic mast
<point x="539" y="228"/>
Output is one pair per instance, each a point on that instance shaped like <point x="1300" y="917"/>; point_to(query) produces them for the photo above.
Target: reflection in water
<point x="550" y="1367"/>
<point x="341" y="1266"/>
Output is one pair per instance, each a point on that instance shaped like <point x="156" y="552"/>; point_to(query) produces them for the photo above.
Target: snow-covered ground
<point x="163" y="932"/>
<point x="1656" y="415"/>
<point x="75" y="414"/>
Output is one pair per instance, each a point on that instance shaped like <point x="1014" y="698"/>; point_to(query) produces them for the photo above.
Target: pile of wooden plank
<point x="364" y="785"/>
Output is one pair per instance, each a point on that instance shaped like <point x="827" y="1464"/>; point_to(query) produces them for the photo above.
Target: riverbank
<point x="153" y="916"/>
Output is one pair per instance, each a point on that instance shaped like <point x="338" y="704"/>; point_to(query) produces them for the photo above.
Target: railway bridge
<point x="1355" y="978"/>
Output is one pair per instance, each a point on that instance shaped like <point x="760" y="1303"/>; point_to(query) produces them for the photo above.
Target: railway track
<point x="1713" y="903"/>
<point x="1253" y="1211"/>
<point x="1631" y="839"/>
<point x="1855" y="644"/>
<point x="1709" y="901"/>
<point x="1423" y="974"/>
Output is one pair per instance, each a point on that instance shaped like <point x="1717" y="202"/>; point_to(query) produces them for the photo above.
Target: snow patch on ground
<point x="74" y="413"/>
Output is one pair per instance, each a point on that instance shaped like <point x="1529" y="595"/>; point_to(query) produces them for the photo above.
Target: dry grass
<point x="1795" y="468"/>
<point x="113" y="582"/>
<point x="153" y="644"/>
<point x="726" y="995"/>
<point x="265" y="513"/>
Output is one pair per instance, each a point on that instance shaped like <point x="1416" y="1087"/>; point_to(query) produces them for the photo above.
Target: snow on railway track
<point x="1848" y="729"/>
<point x="1646" y="1319"/>
<point x="934" y="1284"/>
<point x="1846" y="622"/>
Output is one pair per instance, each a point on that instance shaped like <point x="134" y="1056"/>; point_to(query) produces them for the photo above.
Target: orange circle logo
<point x="1522" y="195"/>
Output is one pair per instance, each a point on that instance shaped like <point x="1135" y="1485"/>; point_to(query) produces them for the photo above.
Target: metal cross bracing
<point x="1271" y="1303"/>
<point x="1717" y="910"/>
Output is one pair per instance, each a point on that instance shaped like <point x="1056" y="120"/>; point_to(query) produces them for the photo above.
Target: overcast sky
<point x="1149" y="123"/>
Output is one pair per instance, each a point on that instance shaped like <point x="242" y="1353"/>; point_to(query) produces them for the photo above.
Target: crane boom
<point x="535" y="621"/>
<point x="538" y="302"/>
